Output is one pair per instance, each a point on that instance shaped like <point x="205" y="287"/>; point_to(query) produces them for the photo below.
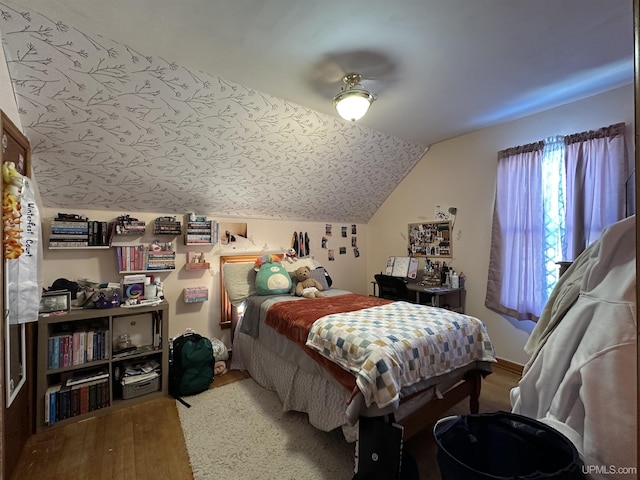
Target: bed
<point x="299" y="348"/>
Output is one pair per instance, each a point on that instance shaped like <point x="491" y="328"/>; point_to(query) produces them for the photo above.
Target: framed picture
<point x="55" y="301"/>
<point x="430" y="239"/>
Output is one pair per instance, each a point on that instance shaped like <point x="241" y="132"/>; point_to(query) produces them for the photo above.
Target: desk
<point x="452" y="298"/>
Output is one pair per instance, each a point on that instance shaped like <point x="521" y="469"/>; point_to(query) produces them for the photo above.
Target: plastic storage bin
<point x="503" y="445"/>
<point x="137" y="389"/>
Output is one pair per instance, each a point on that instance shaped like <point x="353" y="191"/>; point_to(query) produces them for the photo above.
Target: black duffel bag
<point x="504" y="445"/>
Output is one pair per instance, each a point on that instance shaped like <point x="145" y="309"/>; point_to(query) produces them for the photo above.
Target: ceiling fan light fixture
<point x="353" y="102"/>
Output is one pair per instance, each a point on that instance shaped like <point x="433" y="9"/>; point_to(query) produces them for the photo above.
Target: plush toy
<point x="290" y="255"/>
<point x="307" y="286"/>
<point x="272" y="278"/>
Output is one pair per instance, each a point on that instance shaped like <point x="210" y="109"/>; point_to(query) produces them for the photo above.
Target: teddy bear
<point x="307" y="286"/>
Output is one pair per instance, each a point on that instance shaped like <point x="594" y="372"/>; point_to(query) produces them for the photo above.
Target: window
<point x="553" y="199"/>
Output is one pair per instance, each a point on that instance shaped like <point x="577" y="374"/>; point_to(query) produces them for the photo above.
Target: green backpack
<point x="191" y="364"/>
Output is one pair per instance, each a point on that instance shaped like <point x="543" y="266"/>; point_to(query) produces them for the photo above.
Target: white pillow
<point x="239" y="281"/>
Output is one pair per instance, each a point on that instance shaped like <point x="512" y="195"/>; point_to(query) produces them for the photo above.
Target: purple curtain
<point x="595" y="165"/>
<point x="517" y="234"/>
<point x="596" y="170"/>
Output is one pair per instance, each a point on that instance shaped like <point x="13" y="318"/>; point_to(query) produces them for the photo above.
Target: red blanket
<point x="293" y="320"/>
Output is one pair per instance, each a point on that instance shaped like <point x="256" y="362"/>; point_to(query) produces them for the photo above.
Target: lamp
<point x="353" y="101"/>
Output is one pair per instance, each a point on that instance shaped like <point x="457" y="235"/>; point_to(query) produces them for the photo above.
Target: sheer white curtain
<point x="553" y="199"/>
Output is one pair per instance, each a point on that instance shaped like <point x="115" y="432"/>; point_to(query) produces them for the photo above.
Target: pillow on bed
<point x="239" y="282"/>
<point x="326" y="279"/>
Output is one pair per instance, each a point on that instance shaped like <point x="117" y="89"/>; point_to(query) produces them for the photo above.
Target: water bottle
<point x="454" y="279"/>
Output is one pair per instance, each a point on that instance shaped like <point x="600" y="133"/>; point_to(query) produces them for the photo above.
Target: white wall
<point x="461" y="172"/>
<point x="347" y="271"/>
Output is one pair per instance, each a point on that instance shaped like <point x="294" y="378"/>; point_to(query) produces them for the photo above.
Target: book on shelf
<point x="136" y="378"/>
<point x="68" y="243"/>
<point x="86" y="377"/>
<point x="50" y="404"/>
<point x="80" y="233"/>
<point x="196" y="294"/>
<point x="68" y="401"/>
<point x="200" y="230"/>
<point x="70" y="228"/>
<point x="69" y="349"/>
<point x="167" y="226"/>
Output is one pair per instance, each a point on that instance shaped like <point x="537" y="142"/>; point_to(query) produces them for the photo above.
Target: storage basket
<point x="137" y="389"/>
<point x="503" y="445"/>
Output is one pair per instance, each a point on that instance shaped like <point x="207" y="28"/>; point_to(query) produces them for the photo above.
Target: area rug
<point x="240" y="431"/>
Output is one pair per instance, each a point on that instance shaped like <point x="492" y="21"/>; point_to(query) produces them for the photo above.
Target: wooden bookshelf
<point x="55" y="370"/>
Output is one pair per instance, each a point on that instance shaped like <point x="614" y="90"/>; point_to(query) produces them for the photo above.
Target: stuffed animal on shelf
<point x="307" y="286"/>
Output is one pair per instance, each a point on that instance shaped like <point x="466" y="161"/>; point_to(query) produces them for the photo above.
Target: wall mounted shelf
<point x="197" y="266"/>
<point x="200" y="231"/>
<point x="196" y="294"/>
<point x="167" y="226"/>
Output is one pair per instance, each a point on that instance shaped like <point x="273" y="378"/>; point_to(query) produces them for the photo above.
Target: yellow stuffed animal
<point x="307" y="287"/>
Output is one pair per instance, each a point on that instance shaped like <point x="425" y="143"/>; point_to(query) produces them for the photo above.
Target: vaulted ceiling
<point x="224" y="107"/>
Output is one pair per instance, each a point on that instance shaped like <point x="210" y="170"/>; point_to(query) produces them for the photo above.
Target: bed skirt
<point x="305" y="387"/>
<point x="324" y="402"/>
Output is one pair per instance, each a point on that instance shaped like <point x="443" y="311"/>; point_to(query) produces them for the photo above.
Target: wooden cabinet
<point x="82" y="358"/>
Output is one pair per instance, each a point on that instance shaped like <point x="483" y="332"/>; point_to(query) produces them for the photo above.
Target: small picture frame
<point x="55" y="301"/>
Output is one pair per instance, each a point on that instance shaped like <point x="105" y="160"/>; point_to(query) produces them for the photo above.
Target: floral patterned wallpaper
<point x="113" y="128"/>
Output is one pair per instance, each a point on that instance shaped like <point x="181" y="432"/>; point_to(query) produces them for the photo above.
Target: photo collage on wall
<point x="344" y="233"/>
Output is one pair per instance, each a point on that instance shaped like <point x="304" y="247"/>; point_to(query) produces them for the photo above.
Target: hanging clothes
<point x="307" y="246"/>
<point x="295" y="245"/>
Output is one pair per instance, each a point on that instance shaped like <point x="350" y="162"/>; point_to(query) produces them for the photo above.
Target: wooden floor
<point x="145" y="441"/>
<point x="494" y="396"/>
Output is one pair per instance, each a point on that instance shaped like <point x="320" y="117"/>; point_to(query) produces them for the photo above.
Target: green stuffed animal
<point x="307" y="286"/>
<point x="272" y="278"/>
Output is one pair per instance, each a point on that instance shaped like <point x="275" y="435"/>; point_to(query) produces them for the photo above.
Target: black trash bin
<point x="504" y="445"/>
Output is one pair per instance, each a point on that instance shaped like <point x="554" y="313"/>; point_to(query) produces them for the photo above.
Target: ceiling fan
<point x="355" y="77"/>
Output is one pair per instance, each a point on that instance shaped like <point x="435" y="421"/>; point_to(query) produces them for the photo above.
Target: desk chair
<point x="392" y="288"/>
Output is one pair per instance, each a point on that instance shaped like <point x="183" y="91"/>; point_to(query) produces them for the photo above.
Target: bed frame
<point x="422" y="418"/>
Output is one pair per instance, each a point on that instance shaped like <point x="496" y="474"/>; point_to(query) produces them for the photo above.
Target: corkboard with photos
<point x="430" y="239"/>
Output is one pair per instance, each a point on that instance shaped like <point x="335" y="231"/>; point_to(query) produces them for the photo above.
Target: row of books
<point x="196" y="294"/>
<point x="161" y="260"/>
<point x="68" y="349"/>
<point x="80" y="233"/>
<point x="167" y="226"/>
<point x="138" y="258"/>
<point x="125" y="225"/>
<point x="62" y="402"/>
<point x="205" y="231"/>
